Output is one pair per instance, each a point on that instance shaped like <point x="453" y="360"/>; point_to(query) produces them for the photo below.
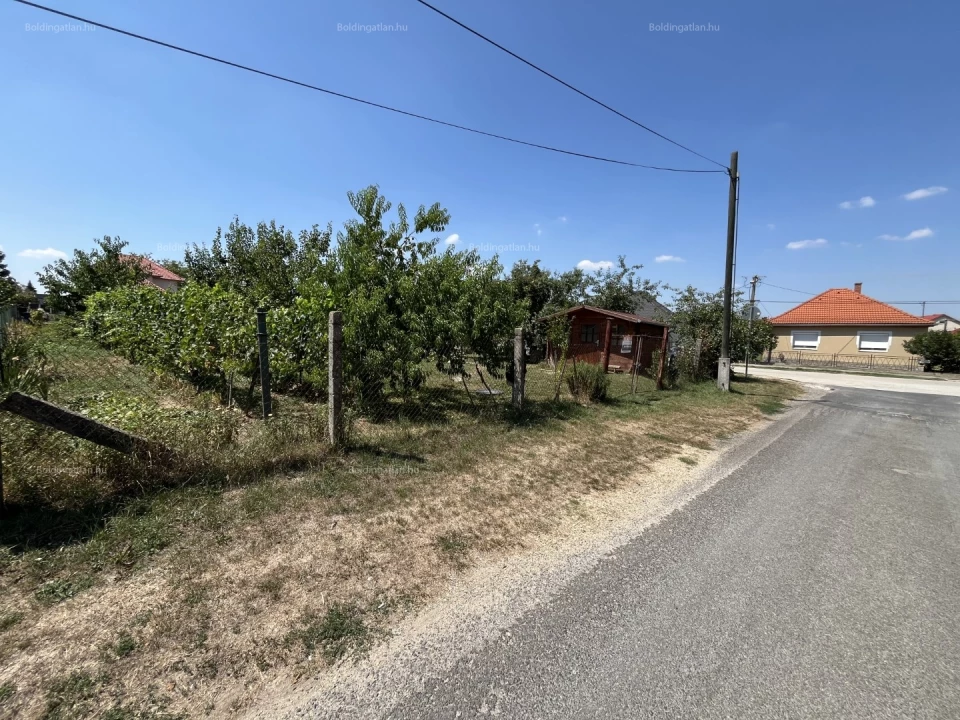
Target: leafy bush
<point x="588" y="382"/>
<point x="25" y="367"/>
<point x="207" y="334"/>
<point x="940" y="349"/>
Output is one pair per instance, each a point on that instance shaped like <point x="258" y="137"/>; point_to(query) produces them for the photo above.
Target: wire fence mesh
<point x="89" y="424"/>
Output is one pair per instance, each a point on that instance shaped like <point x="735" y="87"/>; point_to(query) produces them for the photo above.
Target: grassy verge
<point x="181" y="600"/>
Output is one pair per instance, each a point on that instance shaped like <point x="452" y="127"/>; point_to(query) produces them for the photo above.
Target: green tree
<point x="941" y="349"/>
<point x="266" y="264"/>
<point x="698" y="318"/>
<point x="69" y="282"/>
<point x="8" y="286"/>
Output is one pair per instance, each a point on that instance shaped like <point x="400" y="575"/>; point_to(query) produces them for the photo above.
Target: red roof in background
<point x="840" y="306"/>
<point x="153" y="269"/>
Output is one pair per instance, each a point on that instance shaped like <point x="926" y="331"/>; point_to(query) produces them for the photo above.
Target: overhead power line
<point x="344" y="96"/>
<point x="802" y="292"/>
<point x="565" y="83"/>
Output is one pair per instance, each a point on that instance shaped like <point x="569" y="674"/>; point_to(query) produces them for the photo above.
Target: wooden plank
<point x="77" y="425"/>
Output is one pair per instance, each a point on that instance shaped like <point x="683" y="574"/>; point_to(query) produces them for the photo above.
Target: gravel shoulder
<point x="480" y="605"/>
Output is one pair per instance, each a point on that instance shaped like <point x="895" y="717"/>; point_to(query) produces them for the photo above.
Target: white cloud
<point x="925" y="192"/>
<point x="452" y="240"/>
<point x="592" y="266"/>
<point x="536" y="226"/>
<point x="771" y="226"/>
<point x="45" y="254"/>
<point x="805" y="244"/>
<point x="864" y="202"/>
<point x="915" y="235"/>
<point x="562" y="218"/>
<point x="668" y="258"/>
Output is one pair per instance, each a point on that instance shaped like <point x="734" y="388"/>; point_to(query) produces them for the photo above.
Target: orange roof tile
<point x="840" y="306"/>
<point x="153" y="269"/>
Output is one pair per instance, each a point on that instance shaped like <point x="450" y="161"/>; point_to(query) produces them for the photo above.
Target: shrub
<point x="940" y="349"/>
<point x="588" y="382"/>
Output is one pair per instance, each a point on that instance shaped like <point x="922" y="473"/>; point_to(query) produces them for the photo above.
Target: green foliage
<point x="25" y="364"/>
<point x="940" y="349"/>
<point x="267" y="265"/>
<point x="588" y="382"/>
<point x="70" y="282"/>
<point x="205" y="334"/>
<point x="698" y="317"/>
<point x="9" y="290"/>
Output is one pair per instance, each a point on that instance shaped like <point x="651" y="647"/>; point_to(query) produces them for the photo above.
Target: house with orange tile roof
<point x="846" y="322"/>
<point x="942" y="322"/>
<point x="157" y="274"/>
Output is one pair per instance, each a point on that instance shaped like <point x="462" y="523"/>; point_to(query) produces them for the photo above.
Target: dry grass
<point x="304" y="568"/>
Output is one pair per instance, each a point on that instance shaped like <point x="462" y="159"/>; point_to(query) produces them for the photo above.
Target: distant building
<point x="942" y="323"/>
<point x="632" y="338"/>
<point x="157" y="274"/>
<point x="846" y="322"/>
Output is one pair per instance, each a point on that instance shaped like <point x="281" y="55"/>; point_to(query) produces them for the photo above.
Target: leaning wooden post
<point x="663" y="359"/>
<point x="335" y="387"/>
<point x="264" y="362"/>
<point x="519" y="367"/>
<point x="607" y="336"/>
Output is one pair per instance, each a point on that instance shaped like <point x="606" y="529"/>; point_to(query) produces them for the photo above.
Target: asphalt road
<point x="820" y="579"/>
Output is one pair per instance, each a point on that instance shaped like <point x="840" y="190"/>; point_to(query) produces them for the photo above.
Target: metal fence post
<point x="264" y="361"/>
<point x="519" y="367"/>
<point x="335" y="387"/>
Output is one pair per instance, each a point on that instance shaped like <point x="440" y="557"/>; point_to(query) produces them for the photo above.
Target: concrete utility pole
<point x="723" y="372"/>
<point x="753" y="299"/>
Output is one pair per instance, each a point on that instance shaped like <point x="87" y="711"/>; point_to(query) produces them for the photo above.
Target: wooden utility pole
<point x="723" y="371"/>
<point x="753" y="299"/>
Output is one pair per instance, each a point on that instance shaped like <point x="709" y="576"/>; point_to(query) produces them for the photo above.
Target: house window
<point x="588" y="333"/>
<point x="805" y="339"/>
<point x="874" y="341"/>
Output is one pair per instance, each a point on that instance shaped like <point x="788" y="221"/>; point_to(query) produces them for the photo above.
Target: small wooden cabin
<point x="617" y="339"/>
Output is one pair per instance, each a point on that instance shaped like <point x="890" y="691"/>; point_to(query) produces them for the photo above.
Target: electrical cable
<point x="344" y="96"/>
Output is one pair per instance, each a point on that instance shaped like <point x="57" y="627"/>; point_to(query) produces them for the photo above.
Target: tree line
<point x="405" y="300"/>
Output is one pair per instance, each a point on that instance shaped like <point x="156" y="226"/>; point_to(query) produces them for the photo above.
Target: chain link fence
<point x="79" y="423"/>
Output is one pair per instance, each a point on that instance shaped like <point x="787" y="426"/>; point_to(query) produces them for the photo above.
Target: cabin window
<point x="588" y="333"/>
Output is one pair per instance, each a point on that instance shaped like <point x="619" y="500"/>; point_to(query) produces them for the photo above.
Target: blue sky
<point x="827" y="103"/>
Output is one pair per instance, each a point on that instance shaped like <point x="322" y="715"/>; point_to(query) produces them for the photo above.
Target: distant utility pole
<point x="753" y="299"/>
<point x="923" y="308"/>
<point x="723" y="371"/>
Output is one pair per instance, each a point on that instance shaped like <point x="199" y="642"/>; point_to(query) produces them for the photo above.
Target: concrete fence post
<point x="262" y="344"/>
<point x="519" y="367"/>
<point x="335" y="387"/>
